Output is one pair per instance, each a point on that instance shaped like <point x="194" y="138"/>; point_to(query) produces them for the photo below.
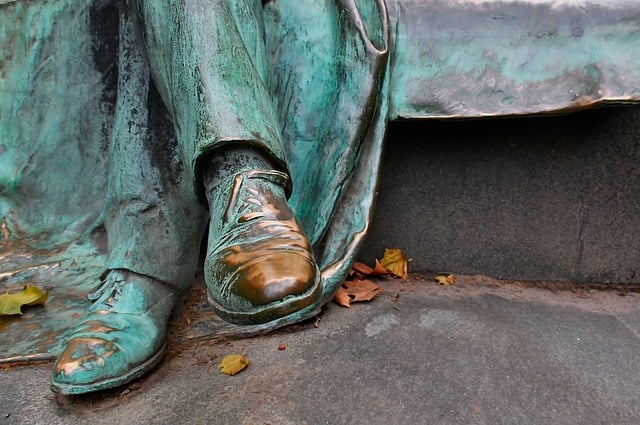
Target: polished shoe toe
<point x="260" y="265"/>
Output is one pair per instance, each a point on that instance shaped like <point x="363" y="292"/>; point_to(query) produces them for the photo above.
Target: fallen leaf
<point x="342" y="298"/>
<point x="233" y="364"/>
<point x="361" y="290"/>
<point x="11" y="304"/>
<point x="360" y="271"/>
<point x="394" y="261"/>
<point x="446" y="280"/>
<point x="379" y="269"/>
<point x="362" y="268"/>
<point x="353" y="291"/>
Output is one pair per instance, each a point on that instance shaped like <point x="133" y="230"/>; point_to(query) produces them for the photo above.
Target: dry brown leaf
<point x="233" y="364"/>
<point x="353" y="291"/>
<point x="361" y="290"/>
<point x="362" y="268"/>
<point x="446" y="280"/>
<point x="394" y="261"/>
<point x="342" y="298"/>
<point x="379" y="269"/>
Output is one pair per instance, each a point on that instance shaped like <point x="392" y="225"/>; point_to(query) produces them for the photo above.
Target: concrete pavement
<point x="478" y="352"/>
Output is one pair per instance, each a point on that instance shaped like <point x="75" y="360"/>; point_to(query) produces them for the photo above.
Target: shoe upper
<point x="258" y="254"/>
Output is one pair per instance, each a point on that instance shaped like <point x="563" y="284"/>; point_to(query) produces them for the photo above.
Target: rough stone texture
<point x="478" y="352"/>
<point x="535" y="198"/>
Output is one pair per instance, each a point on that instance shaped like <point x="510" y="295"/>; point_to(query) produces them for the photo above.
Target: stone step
<point x="535" y="198"/>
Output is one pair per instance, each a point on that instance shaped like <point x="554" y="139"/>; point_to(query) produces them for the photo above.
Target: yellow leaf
<point x="394" y="261"/>
<point x="11" y="304"/>
<point x="233" y="364"/>
<point x="445" y="280"/>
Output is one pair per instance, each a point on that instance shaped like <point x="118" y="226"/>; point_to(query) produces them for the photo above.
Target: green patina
<point x="106" y="114"/>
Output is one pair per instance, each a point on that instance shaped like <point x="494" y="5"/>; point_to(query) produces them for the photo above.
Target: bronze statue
<point x="265" y="121"/>
<point x="198" y="134"/>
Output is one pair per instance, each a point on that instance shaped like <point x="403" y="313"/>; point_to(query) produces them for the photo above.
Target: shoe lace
<point x="109" y="289"/>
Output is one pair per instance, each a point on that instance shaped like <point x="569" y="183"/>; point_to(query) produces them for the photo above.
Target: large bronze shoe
<point x="122" y="337"/>
<point x="259" y="265"/>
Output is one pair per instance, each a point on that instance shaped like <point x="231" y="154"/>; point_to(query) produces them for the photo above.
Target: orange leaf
<point x="353" y="291"/>
<point x="361" y="290"/>
<point x="362" y="268"/>
<point x="394" y="261"/>
<point x="379" y="269"/>
<point x="342" y="298"/>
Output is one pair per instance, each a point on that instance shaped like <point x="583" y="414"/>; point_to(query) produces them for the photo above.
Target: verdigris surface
<point x="108" y="108"/>
<point x="128" y="98"/>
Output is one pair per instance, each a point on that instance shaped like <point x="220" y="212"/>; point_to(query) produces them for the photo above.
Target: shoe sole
<point x="290" y="310"/>
<point x="136" y="372"/>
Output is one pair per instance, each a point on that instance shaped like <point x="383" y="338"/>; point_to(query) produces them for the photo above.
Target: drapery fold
<point x="98" y="160"/>
<point x="90" y="140"/>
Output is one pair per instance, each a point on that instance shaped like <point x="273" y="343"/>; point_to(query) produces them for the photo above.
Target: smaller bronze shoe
<point x="122" y="337"/>
<point x="259" y="265"/>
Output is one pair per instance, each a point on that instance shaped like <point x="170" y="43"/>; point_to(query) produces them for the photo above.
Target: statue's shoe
<point x="122" y="337"/>
<point x="259" y="265"/>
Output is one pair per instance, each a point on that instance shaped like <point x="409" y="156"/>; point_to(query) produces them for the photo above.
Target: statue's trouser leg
<point x="154" y="224"/>
<point x="208" y="61"/>
<point x="214" y="88"/>
<point x="153" y="218"/>
<point x="152" y="215"/>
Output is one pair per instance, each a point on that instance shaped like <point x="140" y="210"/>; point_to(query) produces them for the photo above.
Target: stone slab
<point x="477" y="352"/>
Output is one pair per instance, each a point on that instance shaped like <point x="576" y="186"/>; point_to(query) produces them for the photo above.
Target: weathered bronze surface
<point x="259" y="264"/>
<point x="109" y="109"/>
<point x="472" y="58"/>
<point x="133" y="100"/>
<point x="121" y="336"/>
